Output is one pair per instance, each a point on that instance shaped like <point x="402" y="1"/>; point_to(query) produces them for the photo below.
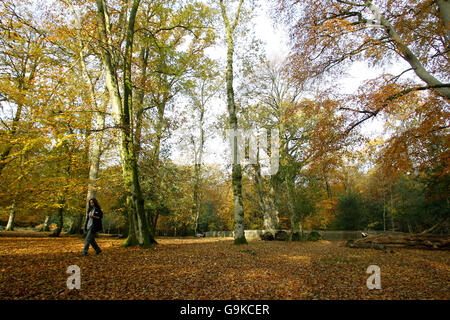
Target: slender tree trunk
<point x="384" y="211"/>
<point x="196" y="197"/>
<point x="46" y="225"/>
<point x="96" y="154"/>
<point x="197" y="167"/>
<point x="392" y="209"/>
<point x="239" y="231"/>
<point x="265" y="201"/>
<point x="152" y="216"/>
<point x="12" y="214"/>
<point x="99" y="114"/>
<point x="271" y="220"/>
<point x="159" y="131"/>
<point x="77" y="224"/>
<point x="291" y="205"/>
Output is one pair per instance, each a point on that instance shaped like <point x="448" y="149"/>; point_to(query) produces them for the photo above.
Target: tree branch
<point x="371" y="114"/>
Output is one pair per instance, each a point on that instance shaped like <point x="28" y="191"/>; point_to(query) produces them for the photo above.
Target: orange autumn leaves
<point x="212" y="268"/>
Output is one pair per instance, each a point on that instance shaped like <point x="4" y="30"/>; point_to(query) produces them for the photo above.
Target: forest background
<point x="130" y="101"/>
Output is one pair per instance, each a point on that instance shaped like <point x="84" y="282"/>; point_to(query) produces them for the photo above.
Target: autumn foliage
<point x="194" y="269"/>
<point x="108" y="99"/>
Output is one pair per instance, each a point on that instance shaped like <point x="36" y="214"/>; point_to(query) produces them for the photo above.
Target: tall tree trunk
<point x="196" y="198"/>
<point x="152" y="216"/>
<point x="139" y="231"/>
<point x="291" y="206"/>
<point x="239" y="231"/>
<point x="392" y="209"/>
<point x="12" y="214"/>
<point x="384" y="211"/>
<point x="59" y="225"/>
<point x="95" y="156"/>
<point x="140" y="100"/>
<point x="196" y="193"/>
<point x="271" y="220"/>
<point x="153" y="221"/>
<point x="77" y="221"/>
<point x="77" y="224"/>
<point x="265" y="200"/>
<point x="197" y="167"/>
<point x="99" y="114"/>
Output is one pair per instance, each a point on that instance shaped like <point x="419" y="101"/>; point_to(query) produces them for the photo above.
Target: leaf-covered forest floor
<point x="214" y="268"/>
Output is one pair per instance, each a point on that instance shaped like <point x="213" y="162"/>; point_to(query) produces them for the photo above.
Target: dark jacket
<point x="97" y="223"/>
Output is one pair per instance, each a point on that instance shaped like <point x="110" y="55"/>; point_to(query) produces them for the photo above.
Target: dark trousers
<point x="90" y="240"/>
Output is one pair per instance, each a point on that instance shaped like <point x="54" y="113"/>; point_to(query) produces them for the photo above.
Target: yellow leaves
<point x="376" y="142"/>
<point x="64" y="139"/>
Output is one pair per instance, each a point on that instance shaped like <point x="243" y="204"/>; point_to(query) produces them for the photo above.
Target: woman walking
<point x="93" y="225"/>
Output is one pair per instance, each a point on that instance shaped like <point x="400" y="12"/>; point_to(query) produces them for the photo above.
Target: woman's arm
<point x="100" y="214"/>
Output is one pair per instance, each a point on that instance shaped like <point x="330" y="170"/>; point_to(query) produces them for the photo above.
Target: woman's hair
<point x="95" y="204"/>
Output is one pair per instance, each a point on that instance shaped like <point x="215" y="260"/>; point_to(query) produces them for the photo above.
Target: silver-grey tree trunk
<point x="239" y="231"/>
<point x="12" y="215"/>
<point x="96" y="153"/>
<point x="99" y="114"/>
<point x="198" y="152"/>
<point x="265" y="200"/>
<point x="46" y="224"/>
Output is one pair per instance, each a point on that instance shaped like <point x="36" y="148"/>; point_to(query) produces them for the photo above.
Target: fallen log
<point x="412" y="241"/>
